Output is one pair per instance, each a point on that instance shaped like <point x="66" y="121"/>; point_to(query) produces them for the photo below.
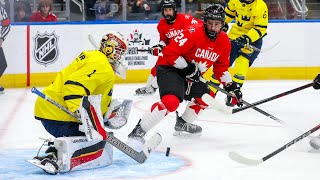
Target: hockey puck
<point x="168" y="151"/>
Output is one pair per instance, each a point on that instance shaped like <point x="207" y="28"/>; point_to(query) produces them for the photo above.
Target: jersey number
<point x="91" y="73"/>
<point x="180" y="40"/>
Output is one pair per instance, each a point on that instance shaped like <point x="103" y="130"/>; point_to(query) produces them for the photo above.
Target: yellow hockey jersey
<point x="251" y="19"/>
<point x="89" y="74"/>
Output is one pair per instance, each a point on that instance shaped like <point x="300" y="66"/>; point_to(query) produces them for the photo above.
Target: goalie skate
<point x="185" y="129"/>
<point x="145" y="91"/>
<point x="47" y="165"/>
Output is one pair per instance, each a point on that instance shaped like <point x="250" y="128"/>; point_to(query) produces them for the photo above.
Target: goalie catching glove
<point x="156" y="49"/>
<point x="234" y="89"/>
<point x="118" y="113"/>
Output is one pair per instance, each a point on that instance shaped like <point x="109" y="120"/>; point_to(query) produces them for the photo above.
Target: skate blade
<point x="47" y="169"/>
<point x="186" y="134"/>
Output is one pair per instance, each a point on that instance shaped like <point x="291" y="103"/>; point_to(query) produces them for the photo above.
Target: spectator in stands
<point x="105" y="9"/>
<point x="22" y="14"/>
<point x="140" y="6"/>
<point x="44" y="13"/>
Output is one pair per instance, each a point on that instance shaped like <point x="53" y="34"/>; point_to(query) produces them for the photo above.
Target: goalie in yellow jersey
<point x="251" y="22"/>
<point x="87" y="82"/>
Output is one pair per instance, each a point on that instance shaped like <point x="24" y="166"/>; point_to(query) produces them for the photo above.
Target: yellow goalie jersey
<point x="89" y="74"/>
<point x="251" y="19"/>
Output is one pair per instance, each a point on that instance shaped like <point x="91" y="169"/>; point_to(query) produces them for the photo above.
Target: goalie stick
<point x="140" y="157"/>
<point x="254" y="162"/>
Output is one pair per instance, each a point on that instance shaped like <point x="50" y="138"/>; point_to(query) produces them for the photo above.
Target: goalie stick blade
<point x="213" y="103"/>
<point x="153" y="142"/>
<point x="243" y="160"/>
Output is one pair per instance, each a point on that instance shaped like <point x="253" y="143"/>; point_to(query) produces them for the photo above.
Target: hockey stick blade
<point x="153" y="142"/>
<point x="141" y="156"/>
<point x="243" y="160"/>
<point x="92" y="41"/>
<point x="213" y="103"/>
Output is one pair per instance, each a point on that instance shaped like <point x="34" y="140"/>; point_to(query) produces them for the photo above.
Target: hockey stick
<point x="144" y="50"/>
<point x="258" y="49"/>
<point x="92" y="41"/>
<point x="235" y="110"/>
<point x="254" y="162"/>
<point x="140" y="157"/>
<point x="244" y="102"/>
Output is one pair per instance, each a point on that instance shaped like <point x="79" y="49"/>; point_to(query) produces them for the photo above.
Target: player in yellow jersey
<point x="88" y="80"/>
<point x="251" y="22"/>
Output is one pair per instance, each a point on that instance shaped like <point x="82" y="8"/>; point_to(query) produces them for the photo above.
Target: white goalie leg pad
<point x="77" y="153"/>
<point x="151" y="119"/>
<point x="91" y="118"/>
<point x="118" y="113"/>
<point x="192" y="111"/>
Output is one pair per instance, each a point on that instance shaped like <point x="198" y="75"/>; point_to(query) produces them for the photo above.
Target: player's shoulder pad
<point x="261" y="6"/>
<point x="194" y="28"/>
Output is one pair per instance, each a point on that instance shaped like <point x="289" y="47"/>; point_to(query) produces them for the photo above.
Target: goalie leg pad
<point x="77" y="153"/>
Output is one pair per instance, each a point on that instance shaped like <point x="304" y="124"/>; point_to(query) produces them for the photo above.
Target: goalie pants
<point x="170" y="81"/>
<point x="62" y="129"/>
<point x="236" y="52"/>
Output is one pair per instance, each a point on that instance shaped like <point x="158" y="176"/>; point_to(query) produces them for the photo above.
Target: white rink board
<point x="296" y="49"/>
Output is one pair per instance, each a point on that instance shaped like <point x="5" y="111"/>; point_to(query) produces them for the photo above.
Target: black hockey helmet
<point x="169" y="4"/>
<point x="213" y="12"/>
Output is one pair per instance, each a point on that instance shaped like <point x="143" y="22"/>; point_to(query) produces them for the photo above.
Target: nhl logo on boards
<point x="45" y="50"/>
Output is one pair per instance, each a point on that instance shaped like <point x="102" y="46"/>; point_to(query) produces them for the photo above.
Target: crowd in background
<point x="27" y="11"/>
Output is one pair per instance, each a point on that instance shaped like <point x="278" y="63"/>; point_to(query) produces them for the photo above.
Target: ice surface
<point x="248" y="132"/>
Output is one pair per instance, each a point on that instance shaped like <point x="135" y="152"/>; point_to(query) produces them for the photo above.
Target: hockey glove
<point x="192" y="72"/>
<point x="225" y="27"/>
<point x="156" y="49"/>
<point x="316" y="81"/>
<point x="243" y="40"/>
<point x="118" y="113"/>
<point x="234" y="89"/>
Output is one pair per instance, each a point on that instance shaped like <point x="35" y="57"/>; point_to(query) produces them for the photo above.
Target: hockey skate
<point x="1" y="90"/>
<point x="135" y="138"/>
<point x="185" y="129"/>
<point x="145" y="91"/>
<point x="47" y="163"/>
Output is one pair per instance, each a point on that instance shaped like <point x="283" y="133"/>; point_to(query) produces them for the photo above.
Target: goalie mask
<point x="213" y="12"/>
<point x="114" y="46"/>
<point x="169" y="4"/>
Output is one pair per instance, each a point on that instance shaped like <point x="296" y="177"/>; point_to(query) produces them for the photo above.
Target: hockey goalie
<point x="83" y="87"/>
<point x="90" y="150"/>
